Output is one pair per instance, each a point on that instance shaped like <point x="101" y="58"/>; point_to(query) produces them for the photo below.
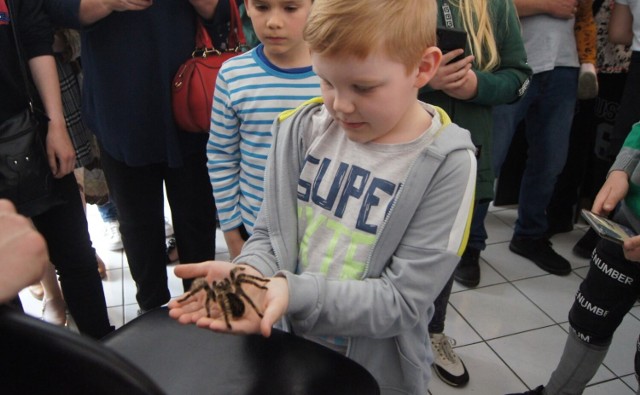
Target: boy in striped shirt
<point x="251" y="90"/>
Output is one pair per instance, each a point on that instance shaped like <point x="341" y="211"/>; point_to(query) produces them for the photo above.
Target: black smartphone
<point x="606" y="228"/>
<point x="450" y="39"/>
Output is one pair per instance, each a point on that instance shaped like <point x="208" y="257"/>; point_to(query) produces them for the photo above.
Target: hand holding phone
<point x="606" y="228"/>
<point x="451" y="39"/>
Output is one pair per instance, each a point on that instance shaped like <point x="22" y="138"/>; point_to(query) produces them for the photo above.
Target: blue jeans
<point x="547" y="109"/>
<point x="108" y="212"/>
<point x="477" y="232"/>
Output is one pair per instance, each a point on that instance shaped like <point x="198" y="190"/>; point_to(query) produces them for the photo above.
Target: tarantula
<point x="228" y="293"/>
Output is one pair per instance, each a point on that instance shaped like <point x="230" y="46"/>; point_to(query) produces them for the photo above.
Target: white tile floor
<point x="510" y="330"/>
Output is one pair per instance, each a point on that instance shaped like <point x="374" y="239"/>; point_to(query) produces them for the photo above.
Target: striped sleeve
<point x="223" y="156"/>
<point x="248" y="98"/>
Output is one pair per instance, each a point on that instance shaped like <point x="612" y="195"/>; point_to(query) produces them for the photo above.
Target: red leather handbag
<point x="194" y="83"/>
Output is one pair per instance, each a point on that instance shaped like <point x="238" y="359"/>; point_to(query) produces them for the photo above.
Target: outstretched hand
<point x="23" y="250"/>
<point x="272" y="302"/>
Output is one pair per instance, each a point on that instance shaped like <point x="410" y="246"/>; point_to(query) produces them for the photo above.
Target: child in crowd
<point x="251" y="90"/>
<point x="368" y="195"/>
<point x="611" y="287"/>
<point x="492" y="71"/>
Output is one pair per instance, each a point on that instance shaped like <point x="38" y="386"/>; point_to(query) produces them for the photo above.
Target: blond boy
<point x="368" y="194"/>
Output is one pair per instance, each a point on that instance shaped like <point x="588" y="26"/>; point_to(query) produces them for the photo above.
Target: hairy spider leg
<point x="211" y="295"/>
<point x="234" y="277"/>
<point x="198" y="285"/>
<point x="243" y="276"/>
<point x="220" y="291"/>
<point x="240" y="292"/>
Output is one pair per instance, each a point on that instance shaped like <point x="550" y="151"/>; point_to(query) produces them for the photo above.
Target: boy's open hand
<point x="272" y="302"/>
<point x="613" y="191"/>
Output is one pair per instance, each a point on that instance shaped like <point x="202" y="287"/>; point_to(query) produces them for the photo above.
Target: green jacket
<point x="628" y="160"/>
<point x="506" y="84"/>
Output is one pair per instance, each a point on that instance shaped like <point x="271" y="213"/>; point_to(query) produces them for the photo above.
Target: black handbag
<point x="25" y="176"/>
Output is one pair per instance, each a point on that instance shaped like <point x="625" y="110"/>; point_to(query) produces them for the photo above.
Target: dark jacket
<point x="129" y="60"/>
<point x="36" y="36"/>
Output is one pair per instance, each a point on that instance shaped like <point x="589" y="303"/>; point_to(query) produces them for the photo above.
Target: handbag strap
<point x="21" y="60"/>
<point x="236" y="39"/>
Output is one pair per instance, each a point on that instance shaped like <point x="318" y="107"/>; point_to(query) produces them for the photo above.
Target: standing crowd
<point x="350" y="160"/>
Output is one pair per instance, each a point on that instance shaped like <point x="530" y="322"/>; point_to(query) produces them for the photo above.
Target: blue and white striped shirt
<point x="250" y="93"/>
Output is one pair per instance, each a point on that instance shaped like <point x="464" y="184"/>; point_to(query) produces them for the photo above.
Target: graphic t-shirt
<point x="345" y="192"/>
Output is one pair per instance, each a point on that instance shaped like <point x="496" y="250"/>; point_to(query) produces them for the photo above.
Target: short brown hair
<point x="403" y="28"/>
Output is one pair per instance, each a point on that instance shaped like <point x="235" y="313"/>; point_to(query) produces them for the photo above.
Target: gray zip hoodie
<point x="384" y="315"/>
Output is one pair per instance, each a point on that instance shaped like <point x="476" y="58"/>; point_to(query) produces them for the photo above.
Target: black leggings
<point x="138" y="196"/>
<point x="64" y="227"/>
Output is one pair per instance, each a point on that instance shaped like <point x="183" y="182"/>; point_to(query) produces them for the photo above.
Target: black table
<point x="184" y="359"/>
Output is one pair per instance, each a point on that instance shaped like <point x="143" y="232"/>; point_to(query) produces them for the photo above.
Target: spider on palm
<point x="228" y="293"/>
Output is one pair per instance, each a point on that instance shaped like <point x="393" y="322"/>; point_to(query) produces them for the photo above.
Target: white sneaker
<point x="446" y="363"/>
<point x="111" y="238"/>
<point x="168" y="228"/>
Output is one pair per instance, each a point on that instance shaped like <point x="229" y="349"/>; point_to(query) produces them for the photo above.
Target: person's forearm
<point x="563" y="9"/>
<point x="92" y="11"/>
<point x="620" y="25"/>
<point x="530" y="7"/>
<point x="45" y="77"/>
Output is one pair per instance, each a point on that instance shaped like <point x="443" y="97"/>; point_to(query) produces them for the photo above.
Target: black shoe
<point x="172" y="250"/>
<point x="587" y="243"/>
<point x="536" y="391"/>
<point x="539" y="251"/>
<point x="559" y="227"/>
<point x="467" y="272"/>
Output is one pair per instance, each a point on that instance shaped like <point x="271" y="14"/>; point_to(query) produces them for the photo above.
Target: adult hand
<point x="612" y="192"/>
<point x="60" y="152"/>
<point x="563" y="9"/>
<point x="127" y="5"/>
<point x="272" y="302"/>
<point x="23" y="251"/>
